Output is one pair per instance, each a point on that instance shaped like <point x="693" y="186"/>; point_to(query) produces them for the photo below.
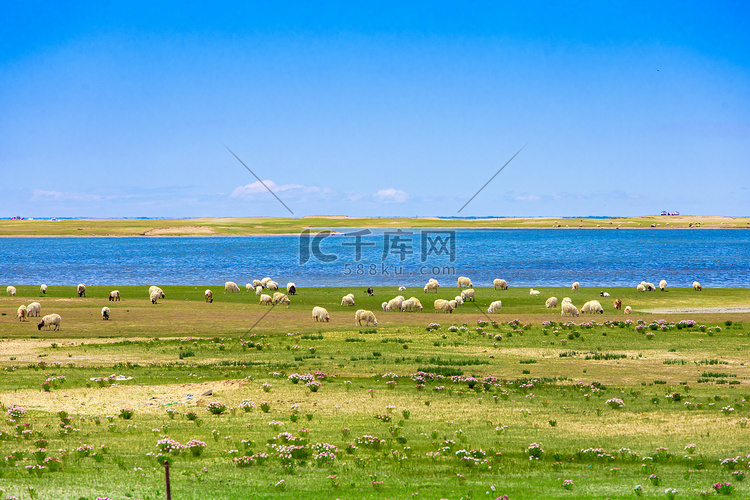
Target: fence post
<point x="166" y="476"/>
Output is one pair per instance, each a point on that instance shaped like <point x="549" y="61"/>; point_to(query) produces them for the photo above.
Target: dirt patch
<point x="698" y="310"/>
<point x="179" y="230"/>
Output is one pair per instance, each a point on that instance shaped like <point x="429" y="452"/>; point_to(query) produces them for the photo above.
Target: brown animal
<point x="618" y="304"/>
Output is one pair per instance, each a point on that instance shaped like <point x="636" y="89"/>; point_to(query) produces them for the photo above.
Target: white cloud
<point x="250" y="191"/>
<point x="49" y="195"/>
<point x="531" y="197"/>
<point x="391" y="195"/>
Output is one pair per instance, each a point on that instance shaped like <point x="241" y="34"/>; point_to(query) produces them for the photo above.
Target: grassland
<point x="536" y="382"/>
<point x="246" y="226"/>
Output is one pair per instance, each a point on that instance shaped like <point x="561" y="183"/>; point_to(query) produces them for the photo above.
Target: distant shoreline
<point x="270" y="226"/>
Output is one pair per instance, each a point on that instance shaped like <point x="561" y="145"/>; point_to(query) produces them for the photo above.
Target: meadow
<point x="251" y="401"/>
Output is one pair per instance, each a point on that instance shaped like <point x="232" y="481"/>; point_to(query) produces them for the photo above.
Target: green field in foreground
<point x="462" y="429"/>
<point x="241" y="226"/>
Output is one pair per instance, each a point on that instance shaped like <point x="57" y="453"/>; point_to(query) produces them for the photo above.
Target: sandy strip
<point x="698" y="310"/>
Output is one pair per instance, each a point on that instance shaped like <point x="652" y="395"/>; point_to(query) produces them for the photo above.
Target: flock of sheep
<point x="320" y="314"/>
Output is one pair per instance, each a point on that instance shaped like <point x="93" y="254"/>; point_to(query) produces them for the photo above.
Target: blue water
<point x="533" y="257"/>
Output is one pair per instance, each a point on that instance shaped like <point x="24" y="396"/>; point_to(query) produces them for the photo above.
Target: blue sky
<point x="123" y="109"/>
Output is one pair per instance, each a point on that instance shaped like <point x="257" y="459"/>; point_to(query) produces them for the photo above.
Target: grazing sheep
<point x="257" y="283"/>
<point x="384" y="305"/>
<point x="407" y="305"/>
<point x="430" y="286"/>
<point x="347" y="300"/>
<point x="280" y="298"/>
<point x="697" y="286"/>
<point x="443" y="305"/>
<point x="663" y="285"/>
<point x="603" y="294"/>
<point x="11" y="290"/>
<point x="497" y="282"/>
<point x="366" y="316"/>
<point x="320" y="314"/>
<point x="258" y="290"/>
<point x="417" y="303"/>
<point x="291" y="288"/>
<point x="153" y="289"/>
<point x="591" y="307"/>
<point x="370" y="292"/>
<point x="264" y="282"/>
<point x="50" y="320"/>
<point x="453" y="304"/>
<point x="569" y="309"/>
<point x="576" y="286"/>
<point x="209" y="296"/>
<point x="394" y="304"/>
<point x="105" y="313"/>
<point x="464" y="281"/>
<point x="272" y="285"/>
<point x="114" y="295"/>
<point x="618" y="303"/>
<point x="534" y="292"/>
<point x="641" y="287"/>
<point x="21" y="313"/>
<point x="628" y="309"/>
<point x="648" y="286"/>
<point x="155" y="296"/>
<point x="551" y="302"/>
<point x="33" y="309"/>
<point x="43" y="289"/>
<point x="433" y="280"/>
<point x="231" y="287"/>
<point x="467" y="294"/>
<point x="495" y="307"/>
<point x="459" y="300"/>
<point x="249" y="286"/>
<point x="402" y="289"/>
<point x="265" y="299"/>
<point x="81" y="290"/>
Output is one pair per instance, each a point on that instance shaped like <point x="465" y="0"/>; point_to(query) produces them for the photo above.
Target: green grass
<point x="572" y="378"/>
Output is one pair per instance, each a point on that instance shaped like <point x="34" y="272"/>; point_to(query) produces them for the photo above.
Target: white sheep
<point x="551" y="302"/>
<point x="43" y="289"/>
<point x="495" y="307"/>
<point x="114" y="295"/>
<point x="566" y="299"/>
<point x="366" y="316"/>
<point x="156" y="289"/>
<point x="155" y="296"/>
<point x="443" y="305"/>
<point x="576" y="286"/>
<point x="697" y="286"/>
<point x="11" y="290"/>
<point x="105" y="313"/>
<point x="628" y="309"/>
<point x="467" y="294"/>
<point x="81" y="290"/>
<point x="257" y="283"/>
<point x="407" y="305"/>
<point x="231" y="287"/>
<point x="49" y="321"/>
<point x="417" y="303"/>
<point x="641" y="287"/>
<point x="291" y="288"/>
<point x="394" y="304"/>
<point x="649" y="286"/>
<point x="453" y="304"/>
<point x="320" y="314"/>
<point x="264" y="281"/>
<point x="592" y="307"/>
<point x="249" y="286"/>
<point x="265" y="299"/>
<point x="497" y="282"/>
<point x="402" y="289"/>
<point x="534" y="292"/>
<point x="431" y="286"/>
<point x="464" y="281"/>
<point x="663" y="285"/>
<point x="209" y="296"/>
<point x="433" y="280"/>
<point x="33" y="309"/>
<point x="384" y="305"/>
<point x="280" y="298"/>
<point x="272" y="285"/>
<point x="21" y="313"/>
<point x="568" y="309"/>
<point x="604" y="294"/>
<point x="258" y="290"/>
<point x="347" y="300"/>
<point x="459" y="300"/>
